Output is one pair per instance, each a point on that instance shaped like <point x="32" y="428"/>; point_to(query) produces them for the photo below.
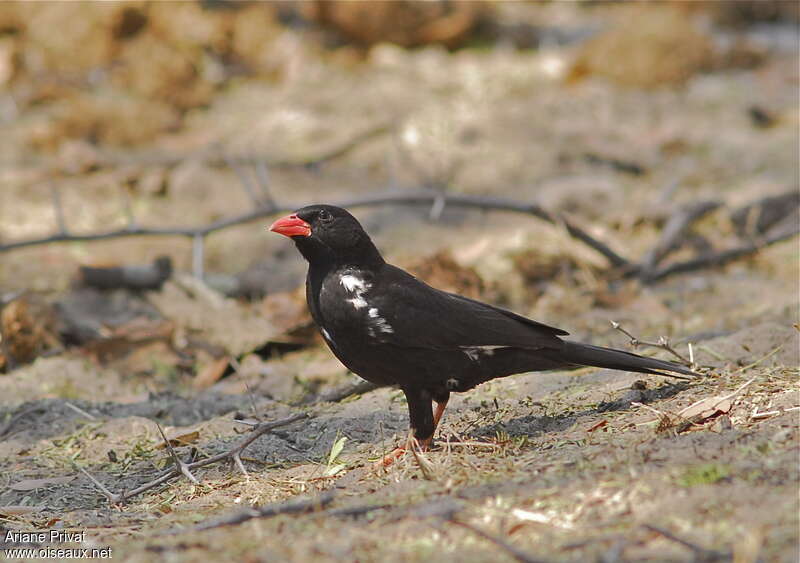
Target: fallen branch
<point x="725" y="256"/>
<point x="701" y="553"/>
<point x="515" y="552"/>
<point x="183" y="468"/>
<point x="290" y="507"/>
<point x="760" y="415"/>
<point x="662" y="344"/>
<point x="670" y="237"/>
<point x="389" y="198"/>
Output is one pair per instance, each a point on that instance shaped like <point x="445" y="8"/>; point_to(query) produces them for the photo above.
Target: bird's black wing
<point x="421" y="316"/>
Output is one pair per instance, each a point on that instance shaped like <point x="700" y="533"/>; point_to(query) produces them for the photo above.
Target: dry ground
<point x="568" y="466"/>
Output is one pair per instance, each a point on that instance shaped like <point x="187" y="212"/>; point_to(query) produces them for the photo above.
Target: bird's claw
<point x="400" y="451"/>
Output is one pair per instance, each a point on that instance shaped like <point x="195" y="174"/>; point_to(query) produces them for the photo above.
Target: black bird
<point x="392" y="329"/>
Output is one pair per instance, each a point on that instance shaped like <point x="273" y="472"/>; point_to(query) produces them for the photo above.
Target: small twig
<point x="112" y="498"/>
<point x="177" y="460"/>
<point x="423" y="463"/>
<point x="723" y="257"/>
<point x="79" y="411"/>
<point x="233" y="453"/>
<point x="237" y="367"/>
<point x="663" y="343"/>
<point x="354" y="511"/>
<point x="739" y="389"/>
<point x="515" y="552"/>
<point x="759" y="415"/>
<point x="247" y="422"/>
<point x="467" y="444"/>
<point x="653" y="410"/>
<point x="674" y="229"/>
<point x="702" y="553"/>
<point x="669" y="420"/>
<point x="290" y="507"/>
<point x="758" y="361"/>
<point x="576" y="232"/>
<point x="391" y="198"/>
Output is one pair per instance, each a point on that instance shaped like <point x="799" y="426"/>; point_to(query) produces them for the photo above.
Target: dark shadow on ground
<point x="531" y="425"/>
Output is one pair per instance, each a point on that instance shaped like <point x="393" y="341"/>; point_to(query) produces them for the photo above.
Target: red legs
<point x="421" y="445"/>
<point x="437" y="415"/>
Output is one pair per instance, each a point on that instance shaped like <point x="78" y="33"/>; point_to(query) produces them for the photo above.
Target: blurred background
<point x="172" y="116"/>
<point x="577" y="162"/>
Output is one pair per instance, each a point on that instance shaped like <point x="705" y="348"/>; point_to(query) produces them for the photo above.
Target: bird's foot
<point x="400" y="451"/>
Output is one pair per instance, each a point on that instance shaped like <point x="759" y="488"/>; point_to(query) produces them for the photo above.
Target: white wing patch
<point x="356" y="286"/>
<point x="475" y="352"/>
<point x="378" y="322"/>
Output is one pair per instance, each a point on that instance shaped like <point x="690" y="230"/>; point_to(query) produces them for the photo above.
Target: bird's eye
<point x="325" y="216"/>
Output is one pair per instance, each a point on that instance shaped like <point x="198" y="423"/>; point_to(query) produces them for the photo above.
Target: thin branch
<point x="723" y="257"/>
<point x="183" y="468"/>
<point x="112" y="498"/>
<point x="79" y="411"/>
<point x="676" y="226"/>
<point x="701" y="553"/>
<point x="662" y="344"/>
<point x="515" y="552"/>
<point x="423" y="197"/>
<point x="290" y="507"/>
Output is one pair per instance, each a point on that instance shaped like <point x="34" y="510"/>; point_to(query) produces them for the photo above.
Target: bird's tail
<point x="597" y="356"/>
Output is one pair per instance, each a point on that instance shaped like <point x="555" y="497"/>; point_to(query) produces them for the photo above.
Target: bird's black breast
<point x="340" y="303"/>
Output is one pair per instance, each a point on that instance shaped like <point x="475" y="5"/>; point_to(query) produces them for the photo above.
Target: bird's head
<point x="326" y="233"/>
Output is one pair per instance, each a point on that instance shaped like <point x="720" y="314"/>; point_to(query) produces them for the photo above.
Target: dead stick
<point x="671" y="233"/>
<point x="291" y="507"/>
<point x="662" y="344"/>
<point x="425" y="197"/>
<point x="515" y="552"/>
<point x="234" y="453"/>
<point x="703" y="553"/>
<point x="178" y="461"/>
<point x="721" y="258"/>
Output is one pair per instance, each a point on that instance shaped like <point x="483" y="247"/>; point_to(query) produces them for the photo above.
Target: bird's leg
<point x="441" y="404"/>
<point x="420" y="413"/>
